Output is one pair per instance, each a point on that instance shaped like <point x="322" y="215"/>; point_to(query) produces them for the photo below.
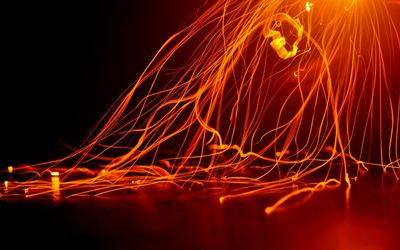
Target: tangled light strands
<point x="253" y="97"/>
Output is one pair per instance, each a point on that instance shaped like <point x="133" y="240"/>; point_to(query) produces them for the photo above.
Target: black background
<point x="65" y="63"/>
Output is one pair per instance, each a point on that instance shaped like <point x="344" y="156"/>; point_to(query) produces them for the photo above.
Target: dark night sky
<point x="67" y="61"/>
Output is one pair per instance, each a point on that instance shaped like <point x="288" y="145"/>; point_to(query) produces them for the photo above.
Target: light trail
<point x="274" y="94"/>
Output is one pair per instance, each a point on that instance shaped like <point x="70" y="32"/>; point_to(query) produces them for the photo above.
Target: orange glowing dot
<point x="10" y="169"/>
<point x="347" y="179"/>
<point x="6" y="184"/>
<point x="55" y="174"/>
<point x="103" y="171"/>
<point x="26" y="190"/>
<point x="281" y="153"/>
<point x="221" y="199"/>
<point x="268" y="210"/>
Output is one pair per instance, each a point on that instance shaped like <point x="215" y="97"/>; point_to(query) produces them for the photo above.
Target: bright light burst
<point x="272" y="96"/>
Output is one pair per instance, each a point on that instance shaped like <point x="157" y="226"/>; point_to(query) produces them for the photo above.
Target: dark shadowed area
<point x="66" y="62"/>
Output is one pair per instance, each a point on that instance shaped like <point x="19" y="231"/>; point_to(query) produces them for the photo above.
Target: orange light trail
<point x="275" y="96"/>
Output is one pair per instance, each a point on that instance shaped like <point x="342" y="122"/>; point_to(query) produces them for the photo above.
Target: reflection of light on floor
<point x="365" y="216"/>
<point x="356" y="235"/>
<point x="55" y="185"/>
<point x="348" y="197"/>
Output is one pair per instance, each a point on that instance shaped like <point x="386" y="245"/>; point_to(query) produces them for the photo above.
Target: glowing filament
<point x="309" y="6"/>
<point x="278" y="154"/>
<point x="278" y="43"/>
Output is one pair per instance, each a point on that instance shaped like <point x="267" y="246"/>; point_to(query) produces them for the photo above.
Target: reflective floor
<point x="173" y="219"/>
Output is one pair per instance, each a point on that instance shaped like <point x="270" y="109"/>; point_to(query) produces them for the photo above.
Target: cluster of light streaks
<point x="253" y="97"/>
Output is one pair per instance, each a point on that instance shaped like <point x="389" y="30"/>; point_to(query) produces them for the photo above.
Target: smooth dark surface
<point x="171" y="219"/>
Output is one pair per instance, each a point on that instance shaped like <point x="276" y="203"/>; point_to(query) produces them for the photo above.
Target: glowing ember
<point x="55" y="185"/>
<point x="55" y="174"/>
<point x="309" y="6"/>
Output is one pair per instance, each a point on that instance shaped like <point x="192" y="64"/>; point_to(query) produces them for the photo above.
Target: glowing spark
<point x="55" y="174"/>
<point x="10" y="169"/>
<point x="278" y="43"/>
<point x="278" y="154"/>
<point x="136" y="182"/>
<point x="309" y="6"/>
<point x="6" y="185"/>
<point x="55" y="185"/>
<point x="269" y="210"/>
